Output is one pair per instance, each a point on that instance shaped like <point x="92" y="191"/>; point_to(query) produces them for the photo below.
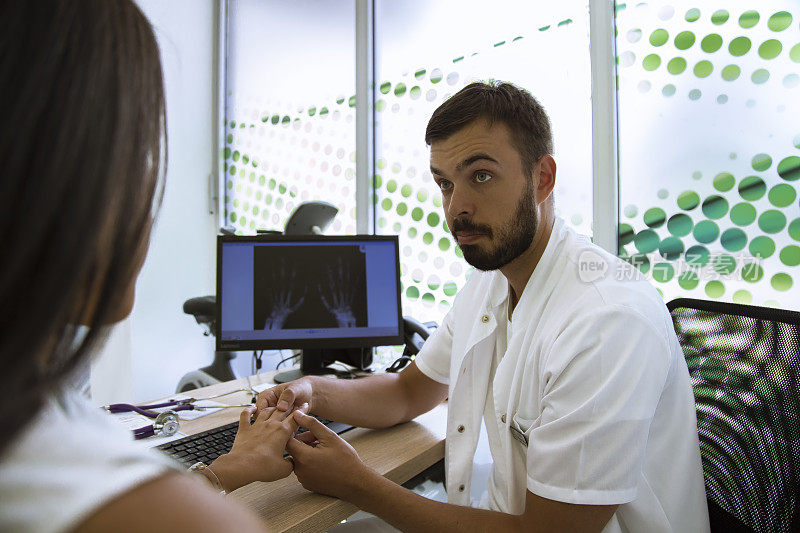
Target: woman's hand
<point x="257" y="453"/>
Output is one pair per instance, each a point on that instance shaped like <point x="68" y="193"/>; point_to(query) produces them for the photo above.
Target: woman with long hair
<point x="82" y="148"/>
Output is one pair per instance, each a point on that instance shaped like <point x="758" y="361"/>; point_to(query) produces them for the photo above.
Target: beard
<point x="513" y="239"/>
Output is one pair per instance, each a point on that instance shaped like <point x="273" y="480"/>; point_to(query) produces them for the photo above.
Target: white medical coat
<point x="592" y="396"/>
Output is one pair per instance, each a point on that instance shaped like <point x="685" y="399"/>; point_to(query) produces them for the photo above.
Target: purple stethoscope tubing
<point x="167" y="422"/>
<point x="176" y="405"/>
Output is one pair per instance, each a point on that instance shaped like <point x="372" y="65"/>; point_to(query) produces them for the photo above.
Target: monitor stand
<point x="310" y="365"/>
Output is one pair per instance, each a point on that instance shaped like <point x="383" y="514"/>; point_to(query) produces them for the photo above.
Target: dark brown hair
<point x="497" y="102"/>
<point x="83" y="146"/>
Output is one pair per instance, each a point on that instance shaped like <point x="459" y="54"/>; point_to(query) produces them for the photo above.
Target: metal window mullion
<point x="605" y="155"/>
<point x="365" y="116"/>
<point x="220" y="75"/>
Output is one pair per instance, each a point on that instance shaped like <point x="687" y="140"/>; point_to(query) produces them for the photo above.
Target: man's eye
<point x="482" y="177"/>
<point x="445" y="185"/>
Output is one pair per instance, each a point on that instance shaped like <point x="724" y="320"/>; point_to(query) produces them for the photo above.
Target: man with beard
<point x="568" y="358"/>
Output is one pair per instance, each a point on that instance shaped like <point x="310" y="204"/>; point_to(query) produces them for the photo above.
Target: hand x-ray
<point x="304" y="287"/>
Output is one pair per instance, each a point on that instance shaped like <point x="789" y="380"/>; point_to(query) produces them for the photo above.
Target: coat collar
<point x="491" y="291"/>
<point x="539" y="284"/>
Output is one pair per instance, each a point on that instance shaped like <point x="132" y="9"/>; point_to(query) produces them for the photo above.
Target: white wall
<point x="147" y="356"/>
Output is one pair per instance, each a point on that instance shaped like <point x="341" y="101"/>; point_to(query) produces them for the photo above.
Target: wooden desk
<point x="398" y="453"/>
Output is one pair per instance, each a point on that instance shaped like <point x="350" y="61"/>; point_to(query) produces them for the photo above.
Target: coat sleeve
<point x="433" y="359"/>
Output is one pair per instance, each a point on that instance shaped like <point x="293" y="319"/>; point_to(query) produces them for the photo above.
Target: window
<point x="425" y="52"/>
<point x="289" y="111"/>
<point x="708" y="148"/>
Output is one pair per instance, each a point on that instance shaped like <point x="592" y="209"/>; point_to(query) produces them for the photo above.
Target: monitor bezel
<point x="341" y="342"/>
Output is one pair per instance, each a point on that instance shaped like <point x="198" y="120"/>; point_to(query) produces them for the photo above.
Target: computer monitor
<point x="330" y="296"/>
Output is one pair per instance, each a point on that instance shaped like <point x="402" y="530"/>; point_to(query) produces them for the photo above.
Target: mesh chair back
<point x="744" y="363"/>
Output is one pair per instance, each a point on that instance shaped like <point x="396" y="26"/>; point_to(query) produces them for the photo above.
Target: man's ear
<point x="546" y="177"/>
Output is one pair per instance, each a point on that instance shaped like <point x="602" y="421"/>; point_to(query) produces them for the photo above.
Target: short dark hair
<point x="83" y="145"/>
<point x="497" y="102"/>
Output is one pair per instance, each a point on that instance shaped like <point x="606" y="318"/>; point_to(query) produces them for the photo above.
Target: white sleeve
<point x="433" y="359"/>
<point x="71" y="461"/>
<point x="604" y="377"/>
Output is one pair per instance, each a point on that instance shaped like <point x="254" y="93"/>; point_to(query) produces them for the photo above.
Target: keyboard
<point x="209" y="445"/>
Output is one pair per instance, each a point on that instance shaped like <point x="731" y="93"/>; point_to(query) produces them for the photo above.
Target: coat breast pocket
<point x="520" y="428"/>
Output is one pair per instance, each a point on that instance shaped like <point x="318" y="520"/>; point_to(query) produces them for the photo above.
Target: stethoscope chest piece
<point x="166" y="424"/>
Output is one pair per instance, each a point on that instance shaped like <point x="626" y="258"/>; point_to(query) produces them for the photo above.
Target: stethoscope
<point x="167" y="423"/>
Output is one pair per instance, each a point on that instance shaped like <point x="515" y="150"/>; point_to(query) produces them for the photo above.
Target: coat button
<point x="503" y="418"/>
<point x="461" y="429"/>
<point x="461" y="488"/>
<point x="485" y="319"/>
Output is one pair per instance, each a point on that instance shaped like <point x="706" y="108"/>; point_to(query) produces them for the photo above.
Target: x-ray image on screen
<point x="309" y="287"/>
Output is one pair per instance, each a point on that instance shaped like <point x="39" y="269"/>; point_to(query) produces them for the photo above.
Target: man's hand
<point x="286" y="396"/>
<point x="324" y="462"/>
<point x="257" y="453"/>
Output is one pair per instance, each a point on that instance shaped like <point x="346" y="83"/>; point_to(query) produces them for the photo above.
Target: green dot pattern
<point x="706" y="231"/>
<point x="724" y="181"/>
<point x="711" y="43"/>
<point x="781" y="282"/>
<point x="655" y="217"/>
<point x="772" y="221"/>
<point x="671" y="248"/>
<point x="715" y="206"/>
<point x="725" y="210"/>
<point x="782" y="195"/>
<point x="684" y="40"/>
<point x="760" y="76"/>
<point x="794" y="53"/>
<point x="651" y="62"/>
<point x="733" y="239"/>
<point x="743" y="214"/>
<point x="794" y="229"/>
<point x="752" y="272"/>
<point x="703" y="69"/>
<point x="752" y="188"/>
<point x="646" y="241"/>
<point x="748" y="19"/>
<point x="770" y="49"/>
<point x="762" y="247"/>
<point x="676" y="65"/>
<point x="731" y="72"/>
<point x="659" y="37"/>
<point x="719" y="17"/>
<point x="789" y="168"/>
<point x="680" y="225"/>
<point x="715" y="289"/>
<point x="790" y="255"/>
<point x="688" y="200"/>
<point x="739" y="46"/>
<point x="761" y="162"/>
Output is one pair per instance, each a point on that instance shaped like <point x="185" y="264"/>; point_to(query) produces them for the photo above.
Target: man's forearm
<point x="409" y="511"/>
<point x="371" y="402"/>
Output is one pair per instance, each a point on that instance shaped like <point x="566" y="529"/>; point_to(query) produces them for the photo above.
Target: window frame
<point x="605" y="171"/>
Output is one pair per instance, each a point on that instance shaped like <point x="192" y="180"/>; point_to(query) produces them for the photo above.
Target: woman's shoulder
<point x="68" y="462"/>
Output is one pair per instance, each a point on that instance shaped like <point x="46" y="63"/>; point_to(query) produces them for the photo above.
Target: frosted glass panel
<point x="710" y="147"/>
<point x="290" y="117"/>
<point x="426" y="51"/>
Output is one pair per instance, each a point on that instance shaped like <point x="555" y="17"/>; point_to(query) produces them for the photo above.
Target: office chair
<point x="744" y="363"/>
